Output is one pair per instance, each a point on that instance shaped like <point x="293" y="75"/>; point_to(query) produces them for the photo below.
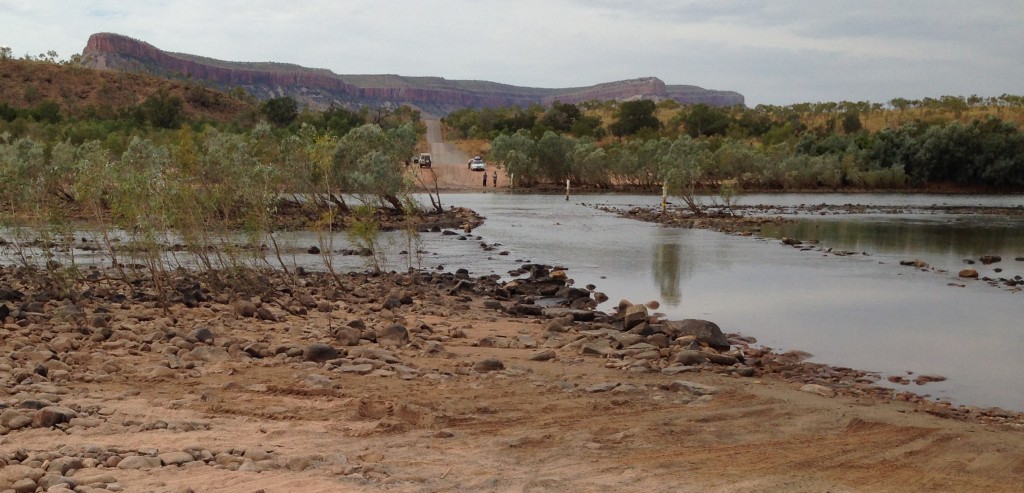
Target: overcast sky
<point x="771" y="51"/>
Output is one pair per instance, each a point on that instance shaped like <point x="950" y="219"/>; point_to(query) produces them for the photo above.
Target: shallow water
<point x="861" y="311"/>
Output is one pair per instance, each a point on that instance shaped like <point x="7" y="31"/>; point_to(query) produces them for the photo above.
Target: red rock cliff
<point x="321" y="88"/>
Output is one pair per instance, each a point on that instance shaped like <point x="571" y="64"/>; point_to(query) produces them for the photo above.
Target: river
<point x="861" y="311"/>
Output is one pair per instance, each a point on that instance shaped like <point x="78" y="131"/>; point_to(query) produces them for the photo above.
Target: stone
<point x="264" y="313"/>
<point x="162" y="372"/>
<point x="50" y="480"/>
<point x="597" y="348"/>
<point x="360" y="369"/>
<point x="256" y="454"/>
<point x="9" y="475"/>
<point x="50" y="416"/>
<point x="319" y="353"/>
<point x="139" y="462"/>
<point x="968" y="274"/>
<point x="707" y="332"/>
<point x="601" y="387"/>
<point x="722" y="359"/>
<point x="677" y="369"/>
<point x="175" y="458"/>
<point x="633" y="316"/>
<point x="63" y="465"/>
<point x="693" y="388"/>
<point x="821" y="390"/>
<point x="393" y="335"/>
<point x="245" y="308"/>
<point x="207" y="354"/>
<point x="990" y="259"/>
<point x="24" y="486"/>
<point x="488" y="365"/>
<point x="688" y="357"/>
<point x="347" y="336"/>
<point x="202" y="334"/>
<point x="576" y="314"/>
<point x="545" y="355"/>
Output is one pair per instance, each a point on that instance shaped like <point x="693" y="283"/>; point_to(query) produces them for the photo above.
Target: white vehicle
<point x="477" y="164"/>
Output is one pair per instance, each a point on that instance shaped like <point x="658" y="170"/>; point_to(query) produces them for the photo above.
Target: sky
<point x="772" y="51"/>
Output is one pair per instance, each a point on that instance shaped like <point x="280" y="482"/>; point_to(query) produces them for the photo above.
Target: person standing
<point x="494" y="179"/>
<point x="485" y="178"/>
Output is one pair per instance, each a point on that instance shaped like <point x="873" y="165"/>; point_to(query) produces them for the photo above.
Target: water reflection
<point x="666" y="265"/>
<point x="943" y="239"/>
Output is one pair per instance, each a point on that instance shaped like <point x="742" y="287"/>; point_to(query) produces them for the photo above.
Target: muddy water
<point x="862" y="311"/>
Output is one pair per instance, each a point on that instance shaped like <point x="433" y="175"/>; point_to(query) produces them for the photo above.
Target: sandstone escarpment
<point x="321" y="88"/>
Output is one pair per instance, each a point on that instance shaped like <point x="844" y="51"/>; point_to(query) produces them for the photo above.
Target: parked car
<point x="477" y="164"/>
<point x="424" y="160"/>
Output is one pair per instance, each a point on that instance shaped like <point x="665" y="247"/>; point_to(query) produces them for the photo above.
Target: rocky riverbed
<point x="434" y="381"/>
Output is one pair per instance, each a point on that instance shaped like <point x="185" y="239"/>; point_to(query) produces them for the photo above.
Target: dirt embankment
<point x="445" y="382"/>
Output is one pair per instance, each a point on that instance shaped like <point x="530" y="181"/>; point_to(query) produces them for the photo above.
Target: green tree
<point x="162" y="110"/>
<point x="703" y="121"/>
<point x="634" y="116"/>
<point x="280" y="111"/>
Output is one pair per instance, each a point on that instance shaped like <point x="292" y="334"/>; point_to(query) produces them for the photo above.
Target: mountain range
<point x="321" y="88"/>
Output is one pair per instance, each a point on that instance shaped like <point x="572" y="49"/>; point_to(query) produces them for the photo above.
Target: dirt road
<point x="450" y="165"/>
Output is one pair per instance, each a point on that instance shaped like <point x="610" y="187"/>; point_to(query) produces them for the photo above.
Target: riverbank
<point x="447" y="382"/>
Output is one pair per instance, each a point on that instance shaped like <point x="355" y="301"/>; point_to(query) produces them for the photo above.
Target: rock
<point x="821" y="390"/>
<point x="602" y="387"/>
<point x="162" y="372"/>
<point x="11" y="474"/>
<point x="597" y="348"/>
<point x="347" y="336"/>
<point x="990" y="259"/>
<point x="202" y="334"/>
<point x="677" y="369"/>
<point x="546" y="355"/>
<point x="633" y="316"/>
<point x="722" y="359"/>
<point x="693" y="388"/>
<point x="687" y="357"/>
<point x="707" y="332"/>
<point x="139" y="462"/>
<point x="576" y="314"/>
<point x="264" y="313"/>
<point x="51" y="480"/>
<point x="256" y="454"/>
<point x="24" y="486"/>
<point x="64" y="465"/>
<point x="393" y="335"/>
<point x="923" y="379"/>
<point x="360" y="369"/>
<point x="245" y="308"/>
<point x="319" y="353"/>
<point x="489" y="365"/>
<point x="50" y="416"/>
<point x="175" y="458"/>
<point x="968" y="274"/>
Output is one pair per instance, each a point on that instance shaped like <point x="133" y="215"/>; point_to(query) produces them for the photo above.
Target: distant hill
<point x="320" y="88"/>
<point x="77" y="90"/>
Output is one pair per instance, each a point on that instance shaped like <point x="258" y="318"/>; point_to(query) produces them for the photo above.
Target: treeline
<point x="821" y="146"/>
<point x="219" y="196"/>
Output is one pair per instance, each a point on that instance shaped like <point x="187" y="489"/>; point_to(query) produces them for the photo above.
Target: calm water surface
<point x="862" y="311"/>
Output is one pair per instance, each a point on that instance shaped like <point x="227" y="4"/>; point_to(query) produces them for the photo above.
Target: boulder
<point x="319" y="353"/>
<point x="63" y="465"/>
<point x="990" y="259"/>
<point x="489" y="365"/>
<point x="707" y="332"/>
<point x="577" y="315"/>
<point x="687" y="357"/>
<point x="175" y="458"/>
<point x="968" y="274"/>
<point x="245" y="308"/>
<point x="347" y="336"/>
<point x="139" y="462"/>
<point x="393" y="335"/>
<point x="50" y="416"/>
<point x="633" y="316"/>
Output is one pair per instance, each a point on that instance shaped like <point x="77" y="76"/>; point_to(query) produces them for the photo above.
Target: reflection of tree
<point x="669" y="266"/>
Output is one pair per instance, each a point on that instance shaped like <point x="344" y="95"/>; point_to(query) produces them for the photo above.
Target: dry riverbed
<point x="445" y="382"/>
